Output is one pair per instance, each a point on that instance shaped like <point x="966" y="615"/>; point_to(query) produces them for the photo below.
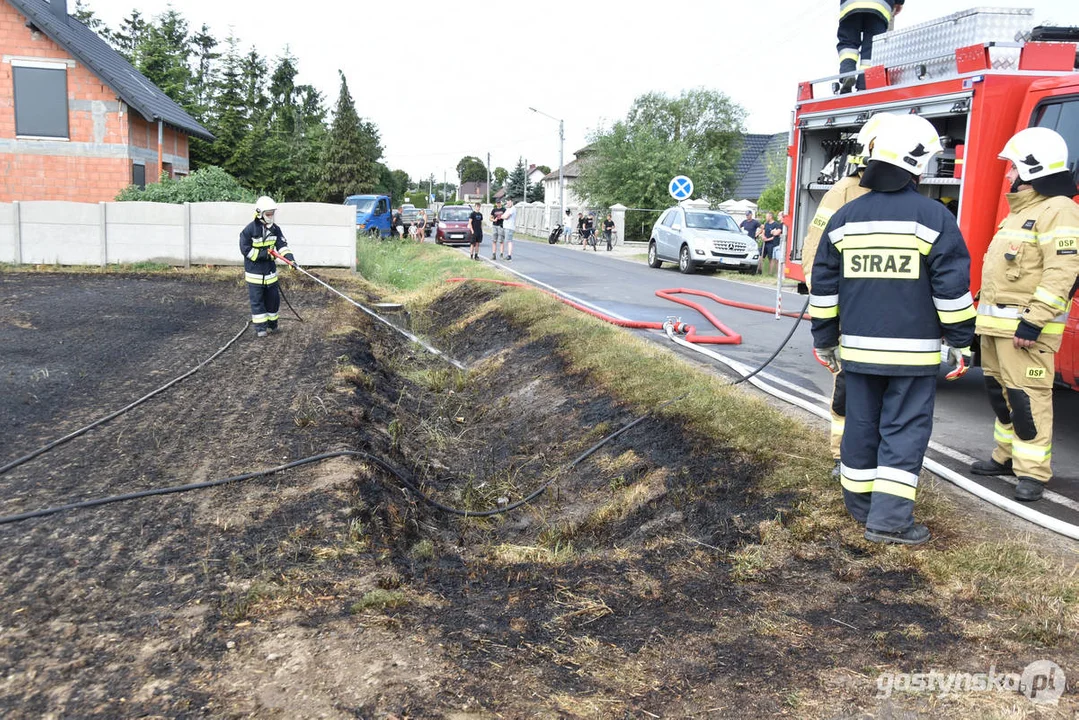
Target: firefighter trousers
<point x="1020" y="386"/>
<point x="855" y="46"/>
<point x="889" y="421"/>
<point x="265" y="302"/>
<point x="839" y="412"/>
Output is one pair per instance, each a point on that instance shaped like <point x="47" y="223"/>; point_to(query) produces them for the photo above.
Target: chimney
<point x="59" y="8"/>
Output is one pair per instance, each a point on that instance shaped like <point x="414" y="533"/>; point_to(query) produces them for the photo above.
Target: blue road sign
<point x="680" y="188"/>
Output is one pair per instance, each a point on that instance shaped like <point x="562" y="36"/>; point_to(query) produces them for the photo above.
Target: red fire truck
<point x="978" y="92"/>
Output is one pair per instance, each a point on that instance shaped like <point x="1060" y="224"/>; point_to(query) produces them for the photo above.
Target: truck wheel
<point x="375" y="232"/>
<point x="653" y="259"/>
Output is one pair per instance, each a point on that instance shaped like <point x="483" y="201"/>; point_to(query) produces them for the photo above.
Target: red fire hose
<point x="728" y="337"/>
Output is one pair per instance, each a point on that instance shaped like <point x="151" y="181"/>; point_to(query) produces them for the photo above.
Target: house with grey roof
<point x="77" y="121"/>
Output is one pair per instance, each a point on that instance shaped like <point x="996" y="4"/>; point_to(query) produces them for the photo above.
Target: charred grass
<point x="700" y="564"/>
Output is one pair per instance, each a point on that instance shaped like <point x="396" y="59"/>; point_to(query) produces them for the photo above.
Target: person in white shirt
<point x="509" y="222"/>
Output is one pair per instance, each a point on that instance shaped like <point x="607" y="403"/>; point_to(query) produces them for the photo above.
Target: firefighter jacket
<point x="894" y="273"/>
<point x="256" y="240"/>
<point x="880" y="7"/>
<point x="837" y="196"/>
<point x="1029" y="271"/>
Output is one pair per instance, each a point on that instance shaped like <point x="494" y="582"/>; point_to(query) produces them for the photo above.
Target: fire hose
<point x="429" y="348"/>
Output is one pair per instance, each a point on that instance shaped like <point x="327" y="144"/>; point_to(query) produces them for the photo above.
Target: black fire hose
<point x="782" y="345"/>
<point x="399" y="474"/>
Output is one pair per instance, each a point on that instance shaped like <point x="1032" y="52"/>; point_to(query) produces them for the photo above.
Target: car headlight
<point x="442" y="226"/>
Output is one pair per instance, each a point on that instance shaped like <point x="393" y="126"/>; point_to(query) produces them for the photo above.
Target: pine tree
<point x="351" y="152"/>
<point x="129" y="37"/>
<point x="163" y="56"/>
<point x="515" y="182"/>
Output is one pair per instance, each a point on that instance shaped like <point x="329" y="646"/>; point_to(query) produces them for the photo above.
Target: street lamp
<point x="561" y="142"/>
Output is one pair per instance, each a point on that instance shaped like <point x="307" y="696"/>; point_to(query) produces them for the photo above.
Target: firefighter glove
<point x="1027" y="331"/>
<point x="828" y="357"/>
<point x="292" y="260"/>
<point x="960" y="359"/>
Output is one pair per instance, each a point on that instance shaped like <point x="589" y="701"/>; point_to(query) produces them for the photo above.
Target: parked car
<point x="372" y="213"/>
<point x="701" y="238"/>
<point x="452" y="226"/>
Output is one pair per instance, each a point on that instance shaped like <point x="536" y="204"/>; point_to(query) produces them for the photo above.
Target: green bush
<point x="208" y="184"/>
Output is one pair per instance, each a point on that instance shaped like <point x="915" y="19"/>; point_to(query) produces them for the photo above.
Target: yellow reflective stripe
<point x="890" y="487"/>
<point x="1029" y="451"/>
<point x="254" y="254"/>
<point x="1002" y="433"/>
<point x="1027" y="236"/>
<point x="259" y="279"/>
<point x="272" y="317"/>
<point x="888" y="357"/>
<point x="839" y="424"/>
<point x="1049" y="298"/>
<point x="1060" y="233"/>
<point x="955" y="316"/>
<point x="823" y="313"/>
<point x="848" y="54"/>
<point x="995" y="323"/>
<point x="263" y="242"/>
<point x="856" y="486"/>
<point x="260" y="318"/>
<point x="846" y="8"/>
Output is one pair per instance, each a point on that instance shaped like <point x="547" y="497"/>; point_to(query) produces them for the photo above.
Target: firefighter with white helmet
<point x="257" y="239"/>
<point x="845" y="190"/>
<point x="1028" y="280"/>
<point x="894" y="270"/>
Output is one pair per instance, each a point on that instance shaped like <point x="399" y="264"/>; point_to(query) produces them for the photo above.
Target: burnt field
<point x="666" y="575"/>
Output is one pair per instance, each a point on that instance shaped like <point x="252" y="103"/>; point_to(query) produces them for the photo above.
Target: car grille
<point x="729" y="246"/>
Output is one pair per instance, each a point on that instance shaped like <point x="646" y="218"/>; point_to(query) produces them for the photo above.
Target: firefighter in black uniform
<point x="859" y="21"/>
<point x="893" y="270"/>
<point x="260" y="269"/>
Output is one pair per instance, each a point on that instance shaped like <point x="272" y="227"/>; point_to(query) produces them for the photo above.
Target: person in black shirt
<point x="475" y="226"/>
<point x="608" y="229"/>
<point x="499" y="231"/>
<point x="589" y="230"/>
<point x="772" y="232"/>
<point x="395" y="223"/>
<point x="580" y="227"/>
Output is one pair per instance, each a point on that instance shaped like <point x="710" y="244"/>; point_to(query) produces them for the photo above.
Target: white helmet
<point x="908" y="142"/>
<point x="867" y="135"/>
<point x="263" y="205"/>
<point x="1036" y="152"/>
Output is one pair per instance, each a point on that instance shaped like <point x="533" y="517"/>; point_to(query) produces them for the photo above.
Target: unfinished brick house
<point x="77" y="121"/>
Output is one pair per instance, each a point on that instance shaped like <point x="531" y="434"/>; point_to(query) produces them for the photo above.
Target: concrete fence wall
<point x="71" y="233"/>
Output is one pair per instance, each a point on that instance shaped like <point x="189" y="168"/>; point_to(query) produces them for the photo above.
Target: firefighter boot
<point x="914" y="535"/>
<point x="1029" y="489"/>
<point x="847" y="64"/>
<point x="991" y="467"/>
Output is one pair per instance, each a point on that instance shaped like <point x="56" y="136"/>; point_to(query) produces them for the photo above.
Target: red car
<point x="453" y="225"/>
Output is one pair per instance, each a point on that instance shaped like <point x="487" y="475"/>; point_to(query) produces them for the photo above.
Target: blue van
<point x="373" y="213"/>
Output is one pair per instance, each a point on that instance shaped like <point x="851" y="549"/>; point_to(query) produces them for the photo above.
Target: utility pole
<point x="561" y="162"/>
<point x="526" y="180"/>
<point x="488" y="178"/>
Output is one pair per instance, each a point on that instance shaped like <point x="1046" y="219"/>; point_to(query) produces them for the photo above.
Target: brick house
<point x="77" y="121"/>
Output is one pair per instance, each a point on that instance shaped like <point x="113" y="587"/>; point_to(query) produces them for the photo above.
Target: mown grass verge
<point x="970" y="560"/>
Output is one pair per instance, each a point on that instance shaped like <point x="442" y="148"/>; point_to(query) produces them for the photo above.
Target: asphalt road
<point x="611" y="282"/>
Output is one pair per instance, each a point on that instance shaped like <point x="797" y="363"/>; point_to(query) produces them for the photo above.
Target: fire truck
<point x="979" y="76"/>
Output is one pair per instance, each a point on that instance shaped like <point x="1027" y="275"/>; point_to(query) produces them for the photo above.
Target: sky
<point x="443" y="80"/>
